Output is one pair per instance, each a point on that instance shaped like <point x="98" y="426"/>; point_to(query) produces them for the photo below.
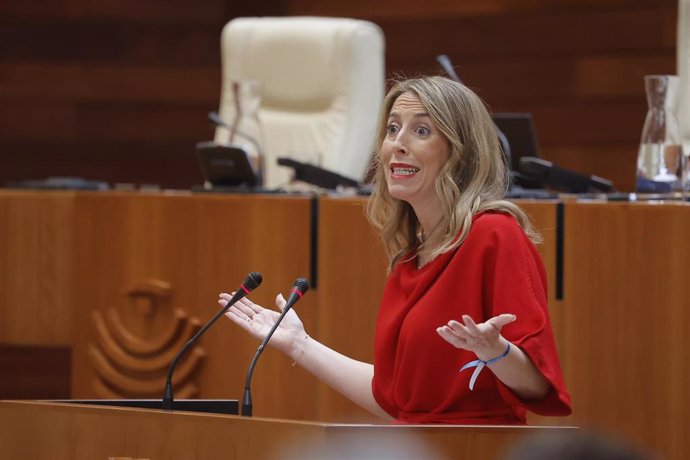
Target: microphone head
<point x="253" y="280"/>
<point x="447" y="66"/>
<point x="301" y="285"/>
<point x="215" y="118"/>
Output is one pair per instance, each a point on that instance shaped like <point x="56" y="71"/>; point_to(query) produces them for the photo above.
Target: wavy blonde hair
<point x="474" y="179"/>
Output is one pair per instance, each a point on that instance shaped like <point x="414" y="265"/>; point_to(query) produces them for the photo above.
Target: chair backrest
<point x="322" y="83"/>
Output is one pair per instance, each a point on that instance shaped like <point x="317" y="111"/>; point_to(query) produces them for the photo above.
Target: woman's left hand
<point x="483" y="339"/>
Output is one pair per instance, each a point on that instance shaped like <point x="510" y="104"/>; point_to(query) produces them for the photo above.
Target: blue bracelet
<point x="479" y="364"/>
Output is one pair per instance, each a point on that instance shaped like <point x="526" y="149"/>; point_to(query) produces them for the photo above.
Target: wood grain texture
<point x="76" y="77"/>
<point x="166" y="164"/>
<point x="34" y="372"/>
<point x="626" y="310"/>
<point x="36" y="256"/>
<point x="70" y="84"/>
<point x="39" y="430"/>
<point x="201" y="245"/>
<point x="440" y="8"/>
<point x="619" y="328"/>
<point x="352" y="273"/>
<point x="156" y="11"/>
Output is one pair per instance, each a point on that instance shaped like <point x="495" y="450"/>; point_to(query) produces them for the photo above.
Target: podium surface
<point x="34" y="429"/>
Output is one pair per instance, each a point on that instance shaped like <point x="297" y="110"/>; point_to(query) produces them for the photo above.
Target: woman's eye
<point x="422" y="131"/>
<point x="392" y="129"/>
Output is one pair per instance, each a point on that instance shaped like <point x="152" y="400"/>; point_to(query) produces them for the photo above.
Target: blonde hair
<point x="474" y="179"/>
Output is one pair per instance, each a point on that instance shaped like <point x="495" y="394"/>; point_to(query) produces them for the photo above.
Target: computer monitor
<point x="224" y="166"/>
<point x="519" y="130"/>
<point x="529" y="171"/>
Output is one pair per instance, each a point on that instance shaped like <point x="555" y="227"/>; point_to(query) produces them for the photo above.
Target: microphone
<point x="444" y="62"/>
<point x="215" y="118"/>
<point x="298" y="289"/>
<point x="252" y="282"/>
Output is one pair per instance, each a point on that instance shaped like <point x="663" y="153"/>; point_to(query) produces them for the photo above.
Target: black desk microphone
<point x="251" y="283"/>
<point x="298" y="289"/>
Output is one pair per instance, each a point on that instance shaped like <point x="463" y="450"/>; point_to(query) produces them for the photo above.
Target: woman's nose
<point x="400" y="142"/>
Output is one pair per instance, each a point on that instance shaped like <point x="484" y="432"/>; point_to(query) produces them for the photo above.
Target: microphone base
<point x="211" y="406"/>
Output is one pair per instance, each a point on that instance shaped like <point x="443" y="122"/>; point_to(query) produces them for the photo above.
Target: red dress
<point x="416" y="373"/>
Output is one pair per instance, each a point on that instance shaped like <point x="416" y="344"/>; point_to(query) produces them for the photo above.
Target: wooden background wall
<point x="118" y="90"/>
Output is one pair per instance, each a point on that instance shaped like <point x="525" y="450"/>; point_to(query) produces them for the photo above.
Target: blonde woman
<point x="463" y="333"/>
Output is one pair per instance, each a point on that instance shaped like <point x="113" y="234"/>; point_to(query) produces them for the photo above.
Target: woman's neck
<point x="430" y="219"/>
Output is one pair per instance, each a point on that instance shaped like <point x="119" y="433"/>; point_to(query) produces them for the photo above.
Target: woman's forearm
<point x="519" y="373"/>
<point x="347" y="376"/>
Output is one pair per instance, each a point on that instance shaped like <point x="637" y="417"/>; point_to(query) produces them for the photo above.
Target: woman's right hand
<point x="258" y="321"/>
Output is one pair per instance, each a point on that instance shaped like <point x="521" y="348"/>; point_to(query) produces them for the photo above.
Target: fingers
<point x="244" y="302"/>
<point x="473" y="329"/>
<point x="471" y="325"/>
<point x="501" y="320"/>
<point x="240" y="318"/>
<point x="459" y="329"/>
<point x="473" y="336"/>
<point x="280" y="302"/>
<point x="451" y="337"/>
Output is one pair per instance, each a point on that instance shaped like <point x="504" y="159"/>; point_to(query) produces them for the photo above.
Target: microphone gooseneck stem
<point x="214" y="117"/>
<point x="168" y="393"/>
<point x="168" y="400"/>
<point x="247" y="398"/>
<point x="298" y="289"/>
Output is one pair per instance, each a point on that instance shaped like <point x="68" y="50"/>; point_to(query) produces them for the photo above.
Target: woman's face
<point x="413" y="153"/>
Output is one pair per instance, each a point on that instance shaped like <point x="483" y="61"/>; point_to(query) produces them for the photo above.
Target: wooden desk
<point x="63" y="431"/>
<point x="149" y="266"/>
<point x="620" y="325"/>
<point x="144" y="269"/>
<point x="626" y="313"/>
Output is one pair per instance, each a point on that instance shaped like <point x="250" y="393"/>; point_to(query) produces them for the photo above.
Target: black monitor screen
<point x="519" y="130"/>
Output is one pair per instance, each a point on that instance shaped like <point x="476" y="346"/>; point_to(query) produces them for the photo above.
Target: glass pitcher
<point x="660" y="160"/>
<point x="244" y="127"/>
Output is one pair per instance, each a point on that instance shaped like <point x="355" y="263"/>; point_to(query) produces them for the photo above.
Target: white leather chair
<point x="322" y="82"/>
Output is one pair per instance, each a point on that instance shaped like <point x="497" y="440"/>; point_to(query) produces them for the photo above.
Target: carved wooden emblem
<point x="136" y="342"/>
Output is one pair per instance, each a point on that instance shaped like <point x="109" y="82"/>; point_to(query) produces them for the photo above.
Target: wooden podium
<point x="32" y="429"/>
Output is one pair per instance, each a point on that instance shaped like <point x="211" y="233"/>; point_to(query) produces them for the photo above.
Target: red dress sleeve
<point x="515" y="282"/>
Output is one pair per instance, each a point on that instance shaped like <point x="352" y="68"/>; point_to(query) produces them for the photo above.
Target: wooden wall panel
<point x="352" y="273"/>
<point x="619" y="327"/>
<point x="102" y="41"/>
<point x="36" y="255"/>
<point x="582" y="63"/>
<point x="201" y="246"/>
<point x="71" y="84"/>
<point x="145" y="75"/>
<point x="95" y="89"/>
<point x="625" y="303"/>
<point x="34" y="372"/>
<point x="437" y="8"/>
<point x="156" y="11"/>
<point x="164" y="163"/>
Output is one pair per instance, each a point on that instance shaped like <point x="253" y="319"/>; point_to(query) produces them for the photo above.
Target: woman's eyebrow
<point x="418" y="114"/>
